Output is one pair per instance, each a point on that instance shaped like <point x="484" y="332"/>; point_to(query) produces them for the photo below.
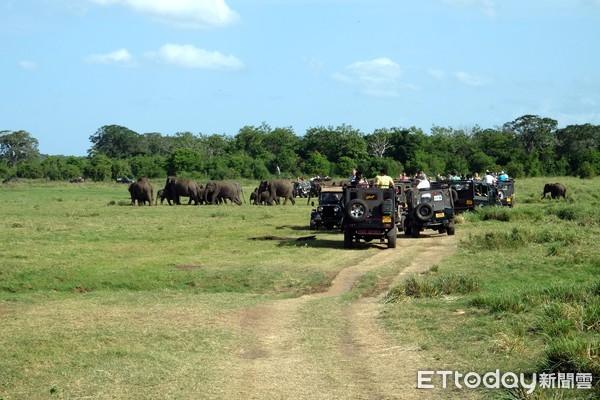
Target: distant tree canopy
<point x="17" y="146"/>
<point x="528" y="146"/>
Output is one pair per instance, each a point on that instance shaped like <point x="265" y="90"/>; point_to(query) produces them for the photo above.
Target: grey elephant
<point x="556" y="190"/>
<point x="278" y="188"/>
<point x="222" y="190"/>
<point x="257" y="198"/>
<point x="162" y="194"/>
<point x="177" y="187"/>
<point x="141" y="191"/>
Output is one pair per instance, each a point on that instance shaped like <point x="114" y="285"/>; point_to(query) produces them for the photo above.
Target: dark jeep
<point x="431" y="208"/>
<point x="329" y="211"/>
<point x="477" y="193"/>
<point x="302" y="189"/>
<point x="369" y="213"/>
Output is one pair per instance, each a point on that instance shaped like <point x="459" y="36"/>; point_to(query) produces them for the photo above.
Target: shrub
<point x="441" y="285"/>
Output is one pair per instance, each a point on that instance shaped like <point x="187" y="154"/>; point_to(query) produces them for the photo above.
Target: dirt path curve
<point x="322" y="346"/>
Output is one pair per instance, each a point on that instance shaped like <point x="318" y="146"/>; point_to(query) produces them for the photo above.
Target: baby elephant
<point x="556" y="190"/>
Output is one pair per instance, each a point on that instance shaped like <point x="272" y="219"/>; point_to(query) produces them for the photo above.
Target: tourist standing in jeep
<point x="383" y="180"/>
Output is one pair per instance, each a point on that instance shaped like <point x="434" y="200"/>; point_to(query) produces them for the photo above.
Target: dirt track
<point x="320" y="346"/>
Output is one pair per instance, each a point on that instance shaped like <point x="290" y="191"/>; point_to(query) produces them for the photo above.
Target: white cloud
<point x="488" y="7"/>
<point x="188" y="56"/>
<point x="181" y="13"/>
<point x="437" y="74"/>
<point x="471" y="79"/>
<point x="377" y="77"/>
<point x="28" y="65"/>
<point x="119" y="57"/>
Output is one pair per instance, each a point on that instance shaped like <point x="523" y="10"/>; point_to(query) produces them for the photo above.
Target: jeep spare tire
<point x="357" y="210"/>
<point x="424" y="212"/>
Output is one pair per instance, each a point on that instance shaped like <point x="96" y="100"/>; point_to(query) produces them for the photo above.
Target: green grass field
<point x="104" y="300"/>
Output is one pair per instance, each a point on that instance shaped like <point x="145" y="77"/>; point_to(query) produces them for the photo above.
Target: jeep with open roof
<point x="431" y="208"/>
<point x="329" y="212"/>
<point x="477" y="193"/>
<point x="369" y="213"/>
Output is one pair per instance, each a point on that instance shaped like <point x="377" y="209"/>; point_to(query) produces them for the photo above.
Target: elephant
<point x="278" y="188"/>
<point x="556" y="190"/>
<point x="162" y="194"/>
<point x="257" y="198"/>
<point x="176" y="187"/>
<point x="221" y="190"/>
<point x="141" y="191"/>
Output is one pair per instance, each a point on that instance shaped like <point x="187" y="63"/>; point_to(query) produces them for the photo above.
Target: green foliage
<point x="586" y="170"/>
<point x="18" y="146"/>
<point x="317" y="164"/>
<point x="99" y="168"/>
<point x="184" y="159"/>
<point x="529" y="146"/>
<point x="433" y="286"/>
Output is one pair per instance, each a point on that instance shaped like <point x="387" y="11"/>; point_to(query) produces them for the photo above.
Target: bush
<point x="441" y="285"/>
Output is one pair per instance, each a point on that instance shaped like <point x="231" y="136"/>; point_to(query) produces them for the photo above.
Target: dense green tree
<point x="99" y="168"/>
<point x="406" y="143"/>
<point x="250" y="139"/>
<point x="215" y="145"/>
<point x="149" y="166"/>
<point x="121" y="168"/>
<point x="116" y="141"/>
<point x="317" y="164"/>
<point x="577" y="143"/>
<point x="157" y="144"/>
<point x="535" y="133"/>
<point x="18" y="146"/>
<point x="184" y="161"/>
<point x="186" y="140"/>
<point x="500" y="144"/>
<point x="63" y="168"/>
<point x="30" y="170"/>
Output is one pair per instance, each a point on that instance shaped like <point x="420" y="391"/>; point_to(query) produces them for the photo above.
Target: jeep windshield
<point x="330" y="198"/>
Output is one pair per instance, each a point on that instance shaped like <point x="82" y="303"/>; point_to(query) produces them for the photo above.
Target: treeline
<point x="528" y="146"/>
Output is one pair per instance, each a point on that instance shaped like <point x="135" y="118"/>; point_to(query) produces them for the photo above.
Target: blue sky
<point x="69" y="67"/>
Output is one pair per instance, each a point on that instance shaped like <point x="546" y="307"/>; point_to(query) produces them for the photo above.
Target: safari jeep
<point x="329" y="211"/>
<point x="369" y="213"/>
<point x="429" y="209"/>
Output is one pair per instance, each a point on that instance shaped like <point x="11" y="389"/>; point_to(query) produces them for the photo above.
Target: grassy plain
<point x="103" y="300"/>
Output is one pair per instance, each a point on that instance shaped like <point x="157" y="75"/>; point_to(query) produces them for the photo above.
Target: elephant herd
<point x="214" y="192"/>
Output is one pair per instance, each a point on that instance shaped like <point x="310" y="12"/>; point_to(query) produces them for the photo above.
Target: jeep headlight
<point x="320" y="209"/>
<point x="336" y="209"/>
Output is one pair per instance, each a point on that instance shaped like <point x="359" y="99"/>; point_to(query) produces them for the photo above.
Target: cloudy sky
<point x="69" y="67"/>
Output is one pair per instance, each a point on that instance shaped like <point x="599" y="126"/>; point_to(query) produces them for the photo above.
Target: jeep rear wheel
<point x="415" y="231"/>
<point x="392" y="238"/>
<point x="357" y="210"/>
<point x="450" y="230"/>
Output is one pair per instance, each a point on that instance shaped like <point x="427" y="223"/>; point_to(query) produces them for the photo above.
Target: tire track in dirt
<point x="357" y="358"/>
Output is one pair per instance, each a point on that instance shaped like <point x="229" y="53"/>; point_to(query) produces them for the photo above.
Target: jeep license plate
<point x="439" y="215"/>
<point x="438" y="197"/>
<point x="386" y="219"/>
<point x="369" y="232"/>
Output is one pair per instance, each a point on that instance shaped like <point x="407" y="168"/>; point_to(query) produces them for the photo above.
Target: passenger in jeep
<point x="359" y="180"/>
<point x="383" y="180"/>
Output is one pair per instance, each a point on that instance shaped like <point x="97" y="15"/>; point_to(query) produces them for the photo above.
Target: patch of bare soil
<point x="357" y="359"/>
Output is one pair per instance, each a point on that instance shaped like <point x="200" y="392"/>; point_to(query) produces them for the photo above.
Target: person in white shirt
<point x="489" y="178"/>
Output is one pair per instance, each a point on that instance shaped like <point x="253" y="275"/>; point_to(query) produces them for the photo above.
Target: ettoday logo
<point x="506" y="380"/>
